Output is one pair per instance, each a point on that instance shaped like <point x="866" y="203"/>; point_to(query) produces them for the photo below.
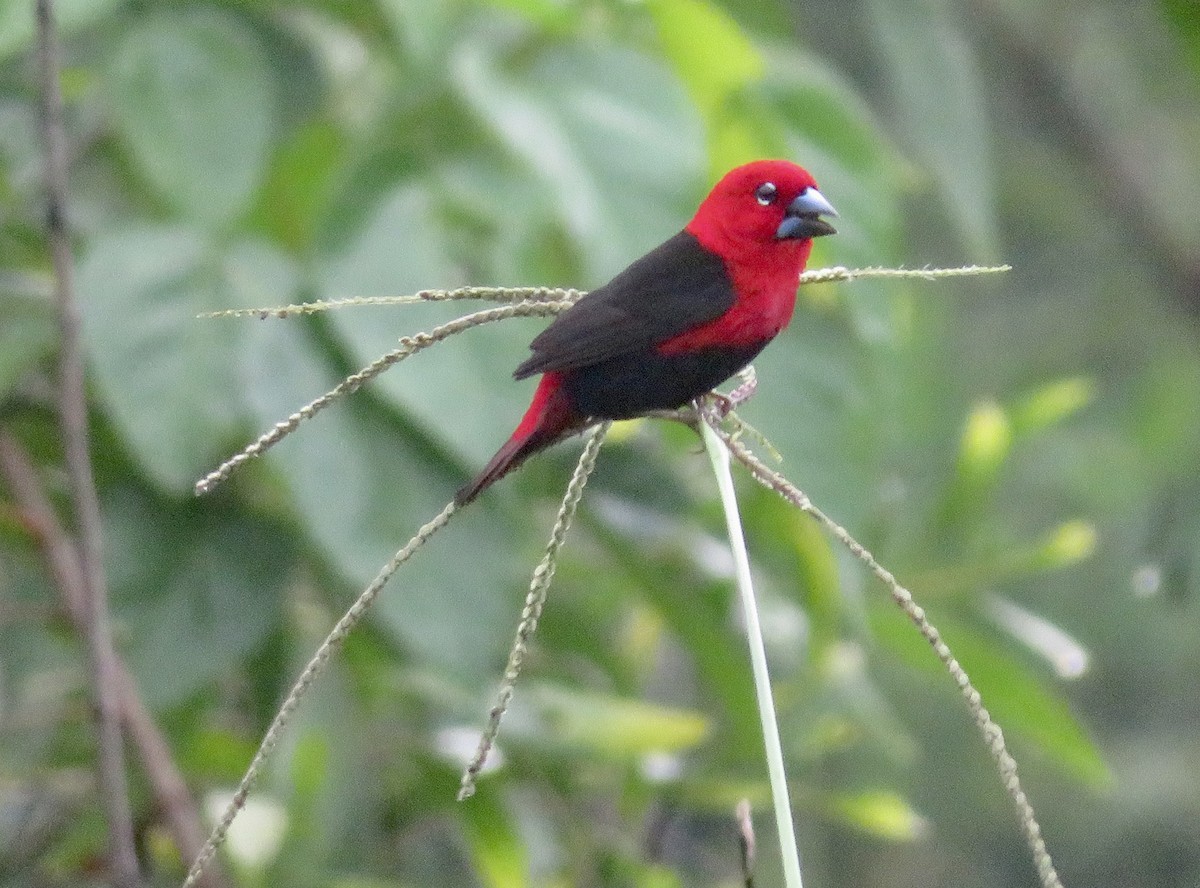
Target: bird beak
<point x="802" y="219"/>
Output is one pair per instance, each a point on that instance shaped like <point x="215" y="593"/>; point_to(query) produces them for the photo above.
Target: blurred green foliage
<point x="1022" y="451"/>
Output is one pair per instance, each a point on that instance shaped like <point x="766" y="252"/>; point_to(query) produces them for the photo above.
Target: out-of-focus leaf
<point x="1067" y="544"/>
<point x="608" y="131"/>
<point x="1182" y="15"/>
<point x="986" y="442"/>
<point x="820" y="403"/>
<point x="940" y="106"/>
<point x="1050" y="404"/>
<point x="17" y="24"/>
<point x="193" y="598"/>
<point x="169" y="378"/>
<point x="984" y="448"/>
<point x="298" y="184"/>
<point x="461" y="389"/>
<point x="363" y="485"/>
<point x="881" y="814"/>
<point x="1021" y="702"/>
<point x="193" y="100"/>
<point x="428" y="30"/>
<point x="27" y="334"/>
<point x="1121" y="95"/>
<point x="501" y="859"/>
<point x="614" y="727"/>
<point x="693" y="33"/>
<point x="20" y="148"/>
<point x="544" y="12"/>
<point x="822" y="121"/>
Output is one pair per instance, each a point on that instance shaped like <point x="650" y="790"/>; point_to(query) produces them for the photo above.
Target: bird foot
<point x="719" y="406"/>
<point x="746" y="387"/>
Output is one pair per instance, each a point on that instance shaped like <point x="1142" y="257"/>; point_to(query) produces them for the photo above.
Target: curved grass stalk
<point x="535" y="600"/>
<point x="409" y="346"/>
<point x="718" y="455"/>
<point x="315" y="667"/>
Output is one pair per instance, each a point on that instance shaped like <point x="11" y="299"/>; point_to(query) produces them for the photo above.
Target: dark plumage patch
<point x="673" y="288"/>
<point x="628" y="385"/>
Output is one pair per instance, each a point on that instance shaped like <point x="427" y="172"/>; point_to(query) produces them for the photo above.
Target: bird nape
<point x="677" y="322"/>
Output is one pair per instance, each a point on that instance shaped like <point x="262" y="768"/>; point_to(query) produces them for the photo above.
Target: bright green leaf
<point x="615" y="727"/>
<point x="1051" y="404"/>
<point x="986" y="442"/>
<point x="501" y="859"/>
<point x="693" y="33"/>
<point x="882" y="814"/>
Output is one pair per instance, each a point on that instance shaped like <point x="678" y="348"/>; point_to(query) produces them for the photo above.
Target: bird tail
<point x="549" y="419"/>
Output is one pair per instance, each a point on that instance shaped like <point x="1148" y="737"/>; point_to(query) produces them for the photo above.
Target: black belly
<point x="629" y="385"/>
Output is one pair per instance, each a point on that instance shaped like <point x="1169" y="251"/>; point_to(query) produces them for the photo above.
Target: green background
<point x="1023" y="451"/>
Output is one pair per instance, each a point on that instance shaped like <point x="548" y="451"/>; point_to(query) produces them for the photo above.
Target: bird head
<point x="762" y="203"/>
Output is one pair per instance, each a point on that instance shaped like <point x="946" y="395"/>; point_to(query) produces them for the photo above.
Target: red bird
<point x="677" y="322"/>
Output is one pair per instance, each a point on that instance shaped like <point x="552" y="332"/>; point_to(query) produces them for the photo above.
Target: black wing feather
<point x="673" y="288"/>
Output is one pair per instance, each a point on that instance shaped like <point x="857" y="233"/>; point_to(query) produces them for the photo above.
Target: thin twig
<point x="409" y="345"/>
<point x="171" y="794"/>
<point x="535" y="600"/>
<point x="747" y="845"/>
<point x="72" y="408"/>
<point x="315" y="667"/>
<point x="993" y="737"/>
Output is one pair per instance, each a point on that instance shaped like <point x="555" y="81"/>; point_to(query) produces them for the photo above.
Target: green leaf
<point x="693" y="33"/>
<point x="170" y="379"/>
<point x="946" y="125"/>
<point x="28" y="333"/>
<point x="882" y="814"/>
<point x="1050" y="404"/>
<point x="501" y="859"/>
<point x="363" y="484"/>
<point x="819" y="401"/>
<point x="609" y="132"/>
<point x="461" y="390"/>
<point x="194" y="597"/>
<point x="612" y="726"/>
<point x="193" y="101"/>
<point x="1020" y="700"/>
<point x="17" y="24"/>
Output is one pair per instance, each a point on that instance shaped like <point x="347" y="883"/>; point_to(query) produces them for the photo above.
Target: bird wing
<point x="673" y="288"/>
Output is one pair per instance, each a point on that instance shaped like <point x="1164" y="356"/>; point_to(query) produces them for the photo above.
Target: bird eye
<point x="766" y="193"/>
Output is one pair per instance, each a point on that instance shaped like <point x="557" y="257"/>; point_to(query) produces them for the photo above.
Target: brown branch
<point x="171" y="794"/>
<point x="114" y="789"/>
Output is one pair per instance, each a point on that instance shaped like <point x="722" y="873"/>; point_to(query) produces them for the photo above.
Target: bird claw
<point x="746" y="388"/>
<point x="720" y="406"/>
